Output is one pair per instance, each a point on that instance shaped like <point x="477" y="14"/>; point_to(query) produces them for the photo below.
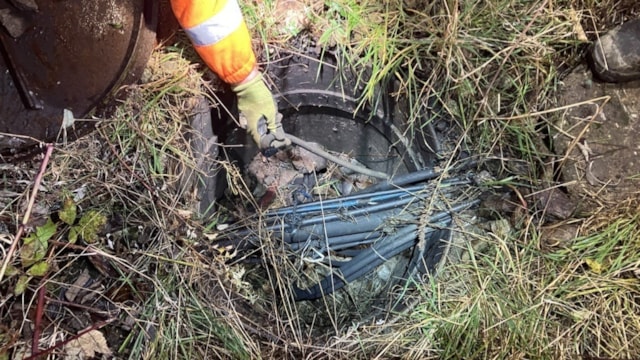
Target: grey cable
<point x="316" y="150"/>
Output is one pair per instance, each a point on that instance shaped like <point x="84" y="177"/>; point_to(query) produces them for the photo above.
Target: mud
<point x="597" y="138"/>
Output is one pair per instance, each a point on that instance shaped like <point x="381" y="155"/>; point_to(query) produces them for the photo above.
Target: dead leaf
<point x="77" y="285"/>
<point x="86" y="346"/>
<point x="581" y="315"/>
<point x="578" y="30"/>
<point x="185" y="214"/>
<point x="211" y="237"/>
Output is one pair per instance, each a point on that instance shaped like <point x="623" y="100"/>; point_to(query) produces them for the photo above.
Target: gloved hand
<point x="258" y="114"/>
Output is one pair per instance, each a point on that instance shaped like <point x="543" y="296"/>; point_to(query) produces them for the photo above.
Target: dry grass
<point x="515" y="300"/>
<point x="493" y="66"/>
<point x="131" y="169"/>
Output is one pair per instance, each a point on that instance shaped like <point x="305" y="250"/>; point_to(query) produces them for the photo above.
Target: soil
<point x="597" y="138"/>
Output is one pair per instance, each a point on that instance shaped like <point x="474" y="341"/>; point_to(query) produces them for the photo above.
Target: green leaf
<point x="11" y="270"/>
<point x="43" y="233"/>
<point x="21" y="285"/>
<point x="35" y="246"/>
<point x="38" y="269"/>
<point x="88" y="227"/>
<point x="46" y="231"/>
<point x="69" y="211"/>
<point x="29" y="239"/>
<point x="73" y="235"/>
<point x="595" y="265"/>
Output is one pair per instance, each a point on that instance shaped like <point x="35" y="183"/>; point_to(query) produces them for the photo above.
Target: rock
<point x="292" y="16"/>
<point x="15" y="24"/>
<point x="270" y="171"/>
<point x="496" y="205"/>
<point x="555" y="203"/>
<point x="558" y="234"/>
<point x="306" y="161"/>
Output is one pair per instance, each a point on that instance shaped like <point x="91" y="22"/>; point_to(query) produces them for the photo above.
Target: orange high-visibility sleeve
<point x="219" y="34"/>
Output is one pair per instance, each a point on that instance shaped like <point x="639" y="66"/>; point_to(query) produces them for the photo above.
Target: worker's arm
<point x="220" y="36"/>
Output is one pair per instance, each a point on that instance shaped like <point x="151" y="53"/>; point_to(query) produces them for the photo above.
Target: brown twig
<point x="42" y="301"/>
<point x="37" y="328"/>
<point x="95" y="326"/>
<point x="27" y="214"/>
<point x="77" y="306"/>
<point x="66" y="245"/>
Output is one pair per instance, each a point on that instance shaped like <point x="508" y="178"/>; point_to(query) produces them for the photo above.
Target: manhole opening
<point x="320" y="103"/>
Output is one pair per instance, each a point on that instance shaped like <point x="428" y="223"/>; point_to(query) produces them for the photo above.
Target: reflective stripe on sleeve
<point x="218" y="26"/>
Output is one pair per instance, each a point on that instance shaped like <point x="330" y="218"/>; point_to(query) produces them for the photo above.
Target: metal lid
<point x="67" y="55"/>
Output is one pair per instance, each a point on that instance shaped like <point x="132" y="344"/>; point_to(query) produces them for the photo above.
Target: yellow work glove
<point x="258" y="114"/>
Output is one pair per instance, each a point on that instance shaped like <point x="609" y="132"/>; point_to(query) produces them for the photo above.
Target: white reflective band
<point x="218" y="26"/>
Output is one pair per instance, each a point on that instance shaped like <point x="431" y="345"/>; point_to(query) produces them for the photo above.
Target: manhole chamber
<point x="321" y="103"/>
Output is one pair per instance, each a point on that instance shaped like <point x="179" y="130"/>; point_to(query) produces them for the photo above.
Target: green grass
<point x="485" y="62"/>
<point x="181" y="321"/>
<point x="514" y="300"/>
<point x="490" y="64"/>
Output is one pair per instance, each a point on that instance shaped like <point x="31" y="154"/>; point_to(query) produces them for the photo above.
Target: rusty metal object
<point x="73" y="55"/>
<point x="167" y="23"/>
<point x="19" y="78"/>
